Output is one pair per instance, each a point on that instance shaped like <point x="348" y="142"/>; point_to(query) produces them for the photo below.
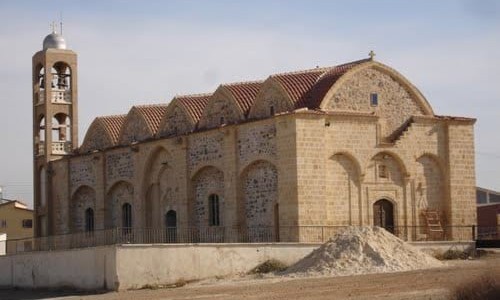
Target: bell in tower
<point x="55" y="120"/>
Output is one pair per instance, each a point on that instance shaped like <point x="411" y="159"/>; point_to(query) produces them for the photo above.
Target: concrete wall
<point x="124" y="267"/>
<point x="140" y="265"/>
<point x="3" y="243"/>
<point x="87" y="269"/>
<point x="134" y="266"/>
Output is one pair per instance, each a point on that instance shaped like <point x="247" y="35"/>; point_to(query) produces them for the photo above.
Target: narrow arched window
<point x="127" y="215"/>
<point x="89" y="220"/>
<point x="213" y="210"/>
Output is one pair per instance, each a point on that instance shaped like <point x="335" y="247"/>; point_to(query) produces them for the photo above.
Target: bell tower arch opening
<point x="55" y="119"/>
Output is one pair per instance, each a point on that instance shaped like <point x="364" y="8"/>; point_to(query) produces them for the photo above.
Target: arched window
<point x="89" y="220"/>
<point x="213" y="210"/>
<point x="61" y="130"/>
<point x="171" y="219"/>
<point x="127" y="215"/>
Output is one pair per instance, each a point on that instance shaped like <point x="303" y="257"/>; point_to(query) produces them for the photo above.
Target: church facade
<point x="353" y="144"/>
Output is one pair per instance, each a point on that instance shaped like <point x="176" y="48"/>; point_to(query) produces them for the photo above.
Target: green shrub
<point x="269" y="266"/>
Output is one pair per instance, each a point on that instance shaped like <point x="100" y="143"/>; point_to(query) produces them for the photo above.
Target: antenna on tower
<point x="61" y="22"/>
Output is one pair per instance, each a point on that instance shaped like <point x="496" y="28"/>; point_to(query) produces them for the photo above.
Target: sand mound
<point x="362" y="250"/>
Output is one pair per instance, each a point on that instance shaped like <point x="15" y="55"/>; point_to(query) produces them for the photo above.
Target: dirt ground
<point x="424" y="284"/>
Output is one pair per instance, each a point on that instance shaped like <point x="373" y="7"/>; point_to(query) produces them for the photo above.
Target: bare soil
<point x="437" y="283"/>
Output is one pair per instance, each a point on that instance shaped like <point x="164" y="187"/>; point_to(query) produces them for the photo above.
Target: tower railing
<point x="61" y="147"/>
<point x="60" y="96"/>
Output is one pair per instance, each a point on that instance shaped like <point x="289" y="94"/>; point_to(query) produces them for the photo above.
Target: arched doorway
<point x="383" y="214"/>
<point x="171" y="225"/>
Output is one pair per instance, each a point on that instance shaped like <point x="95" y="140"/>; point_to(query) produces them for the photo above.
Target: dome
<point x="54" y="41"/>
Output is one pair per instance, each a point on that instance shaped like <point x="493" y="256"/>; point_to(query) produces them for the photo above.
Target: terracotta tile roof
<point x="244" y="93"/>
<point x="152" y="114"/>
<point x="297" y="84"/>
<point x="308" y="87"/>
<point x="112" y="125"/>
<point x="313" y="97"/>
<point x="194" y="104"/>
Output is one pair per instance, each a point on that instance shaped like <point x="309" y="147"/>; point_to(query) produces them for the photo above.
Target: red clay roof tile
<point x="152" y="115"/>
<point x="194" y="104"/>
<point x="244" y="93"/>
<point x="112" y="125"/>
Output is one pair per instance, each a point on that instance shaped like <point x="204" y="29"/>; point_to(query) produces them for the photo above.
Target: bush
<point x="269" y="266"/>
<point x="484" y="288"/>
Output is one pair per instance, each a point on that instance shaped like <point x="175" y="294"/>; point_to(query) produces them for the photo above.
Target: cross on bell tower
<point x="55" y="120"/>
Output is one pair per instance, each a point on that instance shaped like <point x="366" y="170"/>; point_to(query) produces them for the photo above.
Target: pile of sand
<point x="362" y="250"/>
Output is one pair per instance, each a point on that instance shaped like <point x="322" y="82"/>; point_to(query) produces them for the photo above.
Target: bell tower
<point x="55" y="120"/>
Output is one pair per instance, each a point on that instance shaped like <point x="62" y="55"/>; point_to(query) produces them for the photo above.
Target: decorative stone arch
<point x="440" y="163"/>
<point x="402" y="166"/>
<point x="414" y="92"/>
<point x="82" y="199"/>
<point x="39" y="79"/>
<point x="257" y="158"/>
<point x="207" y="181"/>
<point x="354" y="160"/>
<point x="429" y="183"/>
<point x="221" y="109"/>
<point x="272" y="94"/>
<point x="62" y="77"/>
<point x="120" y="192"/>
<point x="61" y="127"/>
<point x="159" y="161"/>
<point x="259" y="196"/>
<point x="343" y="179"/>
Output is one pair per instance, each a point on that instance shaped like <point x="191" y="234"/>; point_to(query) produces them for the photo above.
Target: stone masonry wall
<point x="256" y="141"/>
<point x="205" y="148"/>
<point x="83" y="199"/>
<point x="97" y="139"/>
<point x="82" y="172"/>
<point x="462" y="174"/>
<point x="395" y="104"/>
<point x="208" y="181"/>
<point x="134" y="129"/>
<point x="221" y="109"/>
<point x="121" y="193"/>
<point x="270" y="95"/>
<point x="177" y="123"/>
<point x="260" y="193"/>
<point x="119" y="166"/>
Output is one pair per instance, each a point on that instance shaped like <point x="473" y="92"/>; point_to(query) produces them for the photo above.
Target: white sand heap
<point x="362" y="250"/>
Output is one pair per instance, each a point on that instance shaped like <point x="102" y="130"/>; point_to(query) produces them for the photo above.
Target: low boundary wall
<point x="133" y="266"/>
<point x="122" y="267"/>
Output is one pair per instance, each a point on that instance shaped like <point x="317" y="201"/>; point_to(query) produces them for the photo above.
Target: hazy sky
<point x="138" y="52"/>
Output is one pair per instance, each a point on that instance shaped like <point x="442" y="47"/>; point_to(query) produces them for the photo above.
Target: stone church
<point x="352" y="144"/>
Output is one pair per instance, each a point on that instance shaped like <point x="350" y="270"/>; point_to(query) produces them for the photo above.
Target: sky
<point x="145" y="52"/>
